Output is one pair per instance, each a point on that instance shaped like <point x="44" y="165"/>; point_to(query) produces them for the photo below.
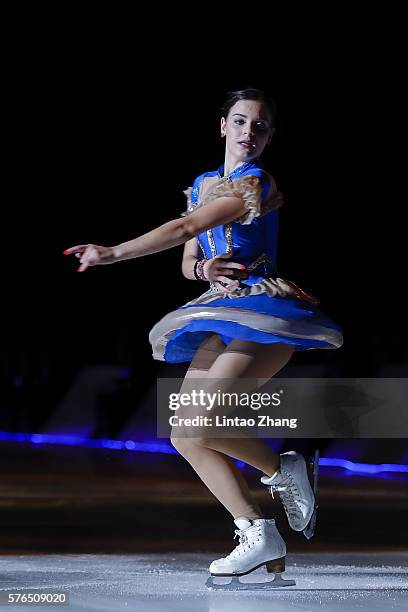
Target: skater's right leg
<point x="248" y="362"/>
<point x="211" y="458"/>
<point x="260" y="541"/>
<point x="221" y="476"/>
<point x="218" y="471"/>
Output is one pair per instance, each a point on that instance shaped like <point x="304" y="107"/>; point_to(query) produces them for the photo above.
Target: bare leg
<point x="261" y="361"/>
<point x="210" y="457"/>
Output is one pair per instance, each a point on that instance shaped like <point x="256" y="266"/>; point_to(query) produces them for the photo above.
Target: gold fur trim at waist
<point x="271" y="286"/>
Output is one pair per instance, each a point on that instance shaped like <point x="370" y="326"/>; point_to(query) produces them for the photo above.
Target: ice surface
<point x="167" y="582"/>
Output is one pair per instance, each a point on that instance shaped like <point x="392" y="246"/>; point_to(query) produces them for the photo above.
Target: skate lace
<point x="244" y="542"/>
<point x="289" y="494"/>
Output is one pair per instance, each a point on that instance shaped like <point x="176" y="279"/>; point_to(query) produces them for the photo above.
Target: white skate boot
<point x="291" y="481"/>
<point x="260" y="544"/>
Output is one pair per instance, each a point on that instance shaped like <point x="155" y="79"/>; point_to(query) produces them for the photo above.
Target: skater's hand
<point x="224" y="274"/>
<point x="91" y="255"/>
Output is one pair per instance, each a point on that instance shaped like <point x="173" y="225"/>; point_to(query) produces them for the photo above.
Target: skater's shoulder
<point x="266" y="180"/>
<point x="208" y="173"/>
<point x="198" y="181"/>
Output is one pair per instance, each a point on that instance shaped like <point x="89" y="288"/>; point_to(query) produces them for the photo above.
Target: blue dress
<point x="264" y="308"/>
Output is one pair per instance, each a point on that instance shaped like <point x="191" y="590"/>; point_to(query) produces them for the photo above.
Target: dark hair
<point x="249" y="94"/>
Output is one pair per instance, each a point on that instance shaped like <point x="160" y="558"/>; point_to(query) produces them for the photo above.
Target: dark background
<point x="107" y="118"/>
<point x="106" y="135"/>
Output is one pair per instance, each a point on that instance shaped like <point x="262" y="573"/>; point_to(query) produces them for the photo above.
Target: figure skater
<point x="246" y="325"/>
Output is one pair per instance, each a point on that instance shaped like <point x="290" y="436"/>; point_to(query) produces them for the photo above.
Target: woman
<point x="247" y="325"/>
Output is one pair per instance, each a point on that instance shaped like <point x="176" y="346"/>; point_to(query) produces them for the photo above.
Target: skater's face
<point x="247" y="129"/>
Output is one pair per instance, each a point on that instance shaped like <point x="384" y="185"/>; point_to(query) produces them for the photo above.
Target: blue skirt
<point x="258" y="318"/>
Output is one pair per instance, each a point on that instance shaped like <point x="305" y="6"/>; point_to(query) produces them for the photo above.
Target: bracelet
<point x="199" y="269"/>
<point x="195" y="269"/>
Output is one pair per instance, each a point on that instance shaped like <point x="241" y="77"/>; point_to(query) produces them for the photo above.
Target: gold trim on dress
<point x="163" y="331"/>
<point x="248" y="188"/>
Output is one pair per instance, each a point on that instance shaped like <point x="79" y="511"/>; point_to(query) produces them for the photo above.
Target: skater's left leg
<point x="288" y="476"/>
<point x="250" y="360"/>
<point x="217" y="471"/>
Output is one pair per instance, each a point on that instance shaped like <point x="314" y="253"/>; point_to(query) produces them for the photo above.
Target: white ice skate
<point x="260" y="543"/>
<point x="291" y="481"/>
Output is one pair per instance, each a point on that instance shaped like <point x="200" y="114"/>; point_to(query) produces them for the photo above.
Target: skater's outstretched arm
<point x="173" y="233"/>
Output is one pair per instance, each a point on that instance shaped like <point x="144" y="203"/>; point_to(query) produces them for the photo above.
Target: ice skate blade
<point x="237" y="585"/>
<point x="310" y="528"/>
